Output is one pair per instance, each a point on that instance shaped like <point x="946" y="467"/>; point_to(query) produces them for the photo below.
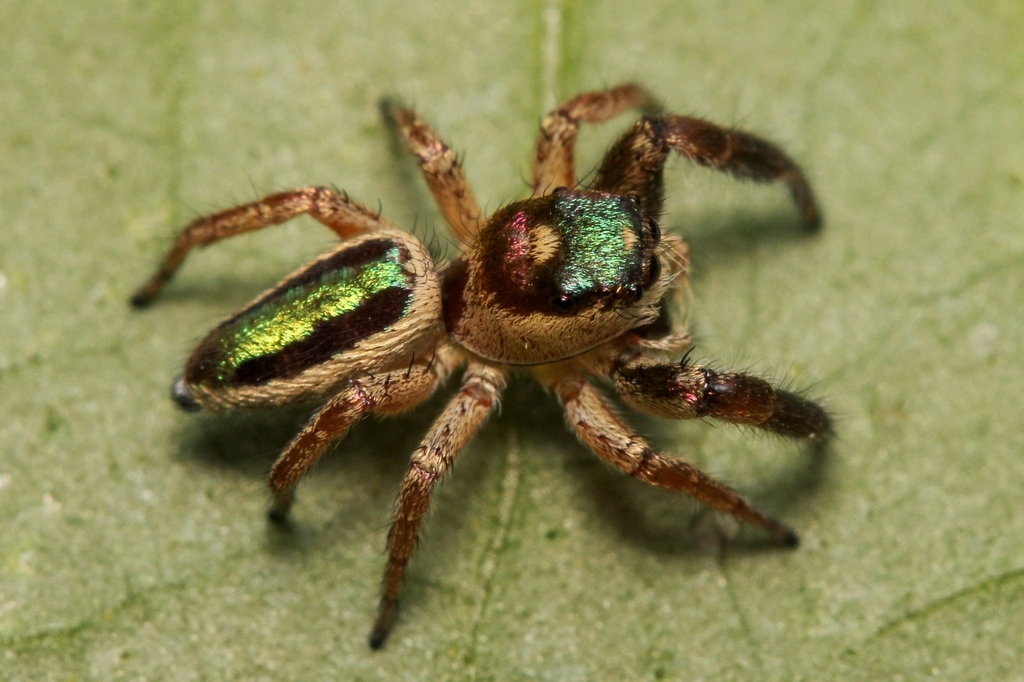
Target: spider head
<point x="554" y="276"/>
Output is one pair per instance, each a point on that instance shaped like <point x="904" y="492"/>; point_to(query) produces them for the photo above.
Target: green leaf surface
<point x="133" y="541"/>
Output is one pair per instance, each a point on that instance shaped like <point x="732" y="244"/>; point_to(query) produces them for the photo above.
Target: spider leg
<point x="460" y="420"/>
<point x="335" y="210"/>
<point x="442" y="171"/>
<point x="679" y="390"/>
<point x="553" y="161"/>
<point x="385" y="393"/>
<point x="596" y="424"/>
<point x="634" y="165"/>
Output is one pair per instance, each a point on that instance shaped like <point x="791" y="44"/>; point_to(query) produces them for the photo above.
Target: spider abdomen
<point x="336" y="316"/>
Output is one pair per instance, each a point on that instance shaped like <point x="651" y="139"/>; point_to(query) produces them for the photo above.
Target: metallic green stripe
<point x="279" y="323"/>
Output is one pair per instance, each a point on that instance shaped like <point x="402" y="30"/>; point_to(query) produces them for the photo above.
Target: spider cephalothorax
<point x="553" y="276"/>
<point x="568" y="285"/>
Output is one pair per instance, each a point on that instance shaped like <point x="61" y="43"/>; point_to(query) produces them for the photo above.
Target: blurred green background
<point x="133" y="542"/>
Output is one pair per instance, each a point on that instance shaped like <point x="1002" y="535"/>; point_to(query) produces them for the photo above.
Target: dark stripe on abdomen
<point x="330" y="337"/>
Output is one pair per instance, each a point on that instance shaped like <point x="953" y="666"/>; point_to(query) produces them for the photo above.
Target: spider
<point x="569" y="285"/>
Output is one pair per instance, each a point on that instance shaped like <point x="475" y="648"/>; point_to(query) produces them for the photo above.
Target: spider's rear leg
<point x="554" y="162"/>
<point x="462" y="417"/>
<point x="342" y="215"/>
<point x="680" y="390"/>
<point x="383" y="393"/>
<point x="634" y="165"/>
<point x="442" y="171"/>
<point x="597" y="425"/>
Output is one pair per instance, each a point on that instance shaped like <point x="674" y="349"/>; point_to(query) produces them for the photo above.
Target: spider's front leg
<point x="597" y="425"/>
<point x="680" y="390"/>
<point x="634" y="165"/>
<point x="554" y="163"/>
<point x="334" y="210"/>
<point x="460" y="420"/>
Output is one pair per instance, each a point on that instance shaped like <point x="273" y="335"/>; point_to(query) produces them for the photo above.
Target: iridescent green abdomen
<point x="336" y="316"/>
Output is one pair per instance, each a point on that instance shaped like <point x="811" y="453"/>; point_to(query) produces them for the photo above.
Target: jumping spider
<point x="567" y="285"/>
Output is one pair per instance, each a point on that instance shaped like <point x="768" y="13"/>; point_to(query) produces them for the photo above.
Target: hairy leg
<point x="442" y="171"/>
<point x="553" y="162"/>
<point x="335" y="210"/>
<point x="385" y="393"/>
<point x="679" y="390"/>
<point x="597" y="425"/>
<point x="634" y="165"/>
<point x="460" y="420"/>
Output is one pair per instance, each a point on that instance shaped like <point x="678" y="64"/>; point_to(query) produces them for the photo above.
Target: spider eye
<point x="653" y="270"/>
<point x="563" y="304"/>
<point x="655" y="230"/>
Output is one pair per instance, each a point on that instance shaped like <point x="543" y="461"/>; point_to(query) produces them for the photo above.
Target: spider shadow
<point x="669" y="523"/>
<point x="228" y="291"/>
<point x="405" y="170"/>
<point x="365" y="467"/>
<point x="226" y="294"/>
<point x="371" y="460"/>
<point x="375" y="457"/>
<point x="717" y="236"/>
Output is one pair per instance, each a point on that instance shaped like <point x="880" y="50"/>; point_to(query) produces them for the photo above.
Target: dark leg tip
<point x="382" y="626"/>
<point x="377" y="639"/>
<point x="181" y="395"/>
<point x="798" y="417"/>
<point x="812" y="221"/>
<point x="790" y="539"/>
<point x="283" y="500"/>
<point x="140" y="300"/>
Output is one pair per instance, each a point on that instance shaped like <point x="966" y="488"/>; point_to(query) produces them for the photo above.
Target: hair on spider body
<point x="569" y="285"/>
